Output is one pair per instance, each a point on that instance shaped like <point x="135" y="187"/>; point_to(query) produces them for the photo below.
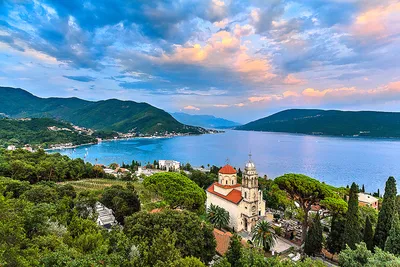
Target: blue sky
<point x="240" y="60"/>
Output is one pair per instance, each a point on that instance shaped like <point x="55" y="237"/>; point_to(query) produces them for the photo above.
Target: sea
<point x="338" y="161"/>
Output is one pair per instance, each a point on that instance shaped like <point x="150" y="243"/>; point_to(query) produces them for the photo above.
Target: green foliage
<point x="335" y="205"/>
<point x="187" y="262"/>
<point x="362" y="257"/>
<point x="352" y="232"/>
<point x="305" y="191"/>
<point x="40" y="166"/>
<point x="365" y="212"/>
<point x="36" y="133"/>
<point x="335" y="241"/>
<point x="194" y="237"/>
<point x="392" y="244"/>
<point x="252" y="258"/>
<point x="218" y="216"/>
<point x="275" y="197"/>
<point x="123" y="201"/>
<point x="234" y="252"/>
<point x="368" y="234"/>
<point x="263" y="235"/>
<point x="386" y="213"/>
<point x="329" y="122"/>
<point x="203" y="179"/>
<point x="314" y="239"/>
<point x="107" y="115"/>
<point x="177" y="190"/>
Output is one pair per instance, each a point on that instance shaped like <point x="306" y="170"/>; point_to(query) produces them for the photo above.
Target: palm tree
<point x="218" y="216"/>
<point x="263" y="235"/>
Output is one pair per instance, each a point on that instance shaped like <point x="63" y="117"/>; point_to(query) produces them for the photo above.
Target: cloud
<point x="80" y="78"/>
<point x="292" y="80"/>
<point x="221" y="105"/>
<point x="191" y="108"/>
<point x="240" y="104"/>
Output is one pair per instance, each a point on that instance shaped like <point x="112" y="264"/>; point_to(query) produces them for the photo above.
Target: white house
<point x="168" y="165"/>
<point x="244" y="202"/>
<point x="11" y="148"/>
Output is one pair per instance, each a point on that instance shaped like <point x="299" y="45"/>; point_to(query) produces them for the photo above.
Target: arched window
<point x="226" y="182"/>
<point x="245" y="194"/>
<point x="232" y="181"/>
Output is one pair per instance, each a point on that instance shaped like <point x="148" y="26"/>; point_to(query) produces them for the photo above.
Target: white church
<point x="244" y="202"/>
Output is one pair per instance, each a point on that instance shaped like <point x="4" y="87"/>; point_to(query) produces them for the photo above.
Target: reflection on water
<point x="337" y="161"/>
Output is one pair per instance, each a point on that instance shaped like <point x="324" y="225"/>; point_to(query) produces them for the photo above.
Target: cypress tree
<point x="369" y="234"/>
<point x="363" y="189"/>
<point x="335" y="240"/>
<point x="393" y="241"/>
<point x="313" y="243"/>
<point x="386" y="213"/>
<point x="352" y="233"/>
<point x="235" y="251"/>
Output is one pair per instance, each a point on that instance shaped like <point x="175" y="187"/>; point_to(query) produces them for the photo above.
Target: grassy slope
<point x="331" y="122"/>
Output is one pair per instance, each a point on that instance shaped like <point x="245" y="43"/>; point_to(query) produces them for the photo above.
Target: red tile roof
<point x="235" y="196"/>
<point x="223" y="239"/>
<point x="227" y="169"/>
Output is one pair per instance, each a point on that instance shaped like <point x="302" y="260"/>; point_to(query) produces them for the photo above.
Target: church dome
<point x="250" y="165"/>
<point x="227" y="169"/>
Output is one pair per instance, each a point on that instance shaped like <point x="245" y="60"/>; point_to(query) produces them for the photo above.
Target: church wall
<point x="233" y="209"/>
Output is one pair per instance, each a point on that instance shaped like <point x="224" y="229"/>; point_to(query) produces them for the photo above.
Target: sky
<point x="237" y="59"/>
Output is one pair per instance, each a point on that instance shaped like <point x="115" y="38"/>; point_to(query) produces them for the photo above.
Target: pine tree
<point x="393" y="241"/>
<point x="352" y="233"/>
<point x="368" y="234"/>
<point x="313" y="244"/>
<point x="235" y="251"/>
<point x="386" y="213"/>
<point x="335" y="240"/>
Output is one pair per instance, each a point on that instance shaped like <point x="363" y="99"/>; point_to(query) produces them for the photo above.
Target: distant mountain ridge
<point x="108" y="115"/>
<point x="207" y="121"/>
<point x="329" y="122"/>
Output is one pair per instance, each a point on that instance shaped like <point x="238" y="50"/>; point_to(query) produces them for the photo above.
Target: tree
<point x="187" y="262"/>
<point x="275" y="197"/>
<point x="253" y="258"/>
<point x="313" y="243"/>
<point x="123" y="201"/>
<point x="218" y="216"/>
<point x="335" y="241"/>
<point x="386" y="213"/>
<point x="355" y="258"/>
<point x="202" y="179"/>
<point x="177" y="190"/>
<point x="263" y="235"/>
<point x="392" y="244"/>
<point x="369" y="234"/>
<point x="234" y="251"/>
<point x="305" y="191"/>
<point x="352" y="233"/>
<point x="194" y="236"/>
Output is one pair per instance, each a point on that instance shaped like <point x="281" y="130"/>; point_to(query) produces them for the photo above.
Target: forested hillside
<point x="110" y="115"/>
<point x="329" y="122"/>
<point x="36" y="132"/>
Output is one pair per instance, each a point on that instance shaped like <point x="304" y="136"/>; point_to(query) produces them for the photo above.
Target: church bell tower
<point x="250" y="195"/>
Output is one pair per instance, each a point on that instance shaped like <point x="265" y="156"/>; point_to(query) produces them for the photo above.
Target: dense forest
<point x="35" y="132"/>
<point x="329" y="122"/>
<point x="107" y="115"/>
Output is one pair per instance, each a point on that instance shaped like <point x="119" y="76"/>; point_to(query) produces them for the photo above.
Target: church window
<point x="226" y="182"/>
<point x="232" y="181"/>
<point x="245" y="194"/>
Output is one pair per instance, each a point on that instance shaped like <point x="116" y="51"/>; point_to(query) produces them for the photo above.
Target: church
<point x="244" y="202"/>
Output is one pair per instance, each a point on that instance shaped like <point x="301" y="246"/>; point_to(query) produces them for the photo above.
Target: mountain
<point x="329" y="122"/>
<point x="42" y="132"/>
<point x="206" y="121"/>
<point x="106" y="115"/>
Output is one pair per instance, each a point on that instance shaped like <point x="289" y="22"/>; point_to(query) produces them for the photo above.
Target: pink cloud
<point x="191" y="108"/>
<point x="292" y="80"/>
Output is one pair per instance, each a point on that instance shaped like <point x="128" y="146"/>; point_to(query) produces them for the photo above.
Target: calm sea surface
<point x="337" y="161"/>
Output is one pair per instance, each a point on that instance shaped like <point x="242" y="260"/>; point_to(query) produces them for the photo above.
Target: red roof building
<point x="234" y="196"/>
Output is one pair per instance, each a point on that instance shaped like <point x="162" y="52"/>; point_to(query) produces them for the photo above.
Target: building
<point x="223" y="240"/>
<point x="11" y="148"/>
<point x="367" y="200"/>
<point x="169" y="165"/>
<point x="105" y="216"/>
<point x="244" y="201"/>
